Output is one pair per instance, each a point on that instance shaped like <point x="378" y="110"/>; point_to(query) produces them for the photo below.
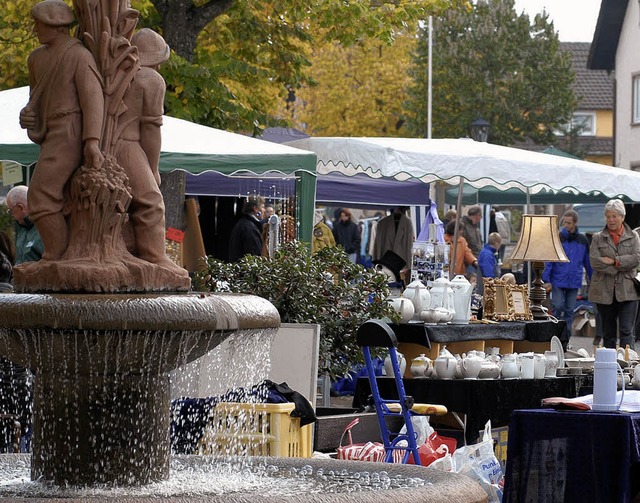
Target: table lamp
<point x="539" y="242"/>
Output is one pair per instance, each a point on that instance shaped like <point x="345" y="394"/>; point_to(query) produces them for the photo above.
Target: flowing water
<point x="212" y="476"/>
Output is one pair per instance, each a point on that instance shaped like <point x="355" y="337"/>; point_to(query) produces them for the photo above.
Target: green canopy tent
<point x="192" y="148"/>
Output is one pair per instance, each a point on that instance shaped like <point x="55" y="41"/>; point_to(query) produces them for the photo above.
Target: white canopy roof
<point x="185" y="145"/>
<point x="479" y="164"/>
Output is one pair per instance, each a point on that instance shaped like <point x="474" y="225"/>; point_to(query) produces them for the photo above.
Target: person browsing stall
<point x="614" y="255"/>
<point x="564" y="279"/>
<point x="488" y="258"/>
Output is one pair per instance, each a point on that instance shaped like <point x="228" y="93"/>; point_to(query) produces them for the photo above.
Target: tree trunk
<point x="182" y="22"/>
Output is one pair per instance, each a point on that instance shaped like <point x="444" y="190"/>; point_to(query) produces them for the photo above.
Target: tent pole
<point x="452" y="261"/>
<point x="306" y="195"/>
<point x="528" y="211"/>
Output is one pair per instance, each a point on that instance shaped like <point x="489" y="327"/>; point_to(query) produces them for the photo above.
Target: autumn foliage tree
<point x="235" y="60"/>
<point x="359" y="90"/>
<point x="490" y="62"/>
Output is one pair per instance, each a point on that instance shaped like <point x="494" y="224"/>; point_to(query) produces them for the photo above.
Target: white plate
<point x="556" y="346"/>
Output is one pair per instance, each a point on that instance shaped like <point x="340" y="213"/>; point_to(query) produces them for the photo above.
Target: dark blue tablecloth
<point x="533" y="331"/>
<point x="563" y="456"/>
<point x="479" y="399"/>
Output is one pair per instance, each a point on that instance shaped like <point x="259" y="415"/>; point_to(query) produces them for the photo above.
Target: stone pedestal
<point x="100" y="429"/>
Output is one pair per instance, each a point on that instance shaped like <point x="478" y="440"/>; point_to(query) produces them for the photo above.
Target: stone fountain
<point x="95" y="320"/>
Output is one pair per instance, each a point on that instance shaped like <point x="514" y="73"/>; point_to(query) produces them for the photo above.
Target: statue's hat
<point x="53" y="13"/>
<point x="152" y="49"/>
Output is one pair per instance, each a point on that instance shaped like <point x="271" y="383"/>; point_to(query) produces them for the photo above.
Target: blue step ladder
<point x="378" y="334"/>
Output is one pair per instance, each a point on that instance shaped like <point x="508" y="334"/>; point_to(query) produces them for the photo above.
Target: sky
<point x="574" y="20"/>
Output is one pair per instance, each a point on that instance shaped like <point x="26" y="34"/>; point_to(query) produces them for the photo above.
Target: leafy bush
<point x="325" y="288"/>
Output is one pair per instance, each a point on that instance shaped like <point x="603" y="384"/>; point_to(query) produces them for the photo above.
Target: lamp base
<point x="539" y="313"/>
<point x="537" y="293"/>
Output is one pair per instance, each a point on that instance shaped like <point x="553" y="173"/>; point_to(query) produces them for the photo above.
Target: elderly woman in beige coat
<point x="615" y="255"/>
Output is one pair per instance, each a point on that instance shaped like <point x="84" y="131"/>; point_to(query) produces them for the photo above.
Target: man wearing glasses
<point x="29" y="247"/>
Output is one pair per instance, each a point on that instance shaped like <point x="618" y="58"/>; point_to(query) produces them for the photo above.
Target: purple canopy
<point x="333" y="189"/>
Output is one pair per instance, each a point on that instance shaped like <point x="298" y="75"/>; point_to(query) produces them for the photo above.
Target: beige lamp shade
<point x="539" y="240"/>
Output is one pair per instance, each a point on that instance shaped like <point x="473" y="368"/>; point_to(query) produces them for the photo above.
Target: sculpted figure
<point x="64" y="115"/>
<point x="96" y="110"/>
<point x="137" y="149"/>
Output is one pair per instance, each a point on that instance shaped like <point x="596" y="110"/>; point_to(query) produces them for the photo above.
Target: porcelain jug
<point x="419" y="295"/>
<point x="510" y="367"/>
<point x="404" y="307"/>
<point x="551" y="364"/>
<point x="527" y="369"/>
<point x="471" y="366"/>
<point x="636" y="377"/>
<point x="420" y="366"/>
<point x="539" y="366"/>
<point x="442" y="294"/>
<point x="462" y="290"/>
<point x="445" y="365"/>
<point x="388" y="366"/>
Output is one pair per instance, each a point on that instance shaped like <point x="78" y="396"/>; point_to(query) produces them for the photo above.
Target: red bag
<point x="367" y="451"/>
<point x="435" y="447"/>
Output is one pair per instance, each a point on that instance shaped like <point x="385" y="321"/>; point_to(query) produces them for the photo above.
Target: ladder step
<point x="424" y="409"/>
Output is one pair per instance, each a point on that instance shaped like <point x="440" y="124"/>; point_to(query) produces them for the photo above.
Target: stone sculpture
<point x="96" y="111"/>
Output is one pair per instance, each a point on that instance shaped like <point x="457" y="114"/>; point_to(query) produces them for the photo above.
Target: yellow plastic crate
<point x="256" y="429"/>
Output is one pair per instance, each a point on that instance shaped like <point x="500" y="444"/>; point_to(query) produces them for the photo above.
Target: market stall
<point x="477" y="164"/>
<point x="189" y="147"/>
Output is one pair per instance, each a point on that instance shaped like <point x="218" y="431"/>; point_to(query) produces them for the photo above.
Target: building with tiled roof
<point x="615" y="48"/>
<point x="593" y="117"/>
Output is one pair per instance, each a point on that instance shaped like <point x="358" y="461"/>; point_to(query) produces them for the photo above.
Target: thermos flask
<point x="605" y="385"/>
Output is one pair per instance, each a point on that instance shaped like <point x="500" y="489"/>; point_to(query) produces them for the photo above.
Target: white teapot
<point x="445" y="365"/>
<point x="442" y="294"/>
<point x="388" y="366"/>
<point x="404" y="307"/>
<point x="419" y="295"/>
<point x="471" y="366"/>
<point x="420" y="366"/>
<point x="462" y="291"/>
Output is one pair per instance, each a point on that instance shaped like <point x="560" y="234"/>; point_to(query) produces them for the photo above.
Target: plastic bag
<point x="479" y="462"/>
<point x="436" y="447"/>
<point x="366" y="451"/>
<point x="421" y="428"/>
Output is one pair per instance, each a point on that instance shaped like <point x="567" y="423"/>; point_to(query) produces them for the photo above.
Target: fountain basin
<point x="270" y="480"/>
<point x="101" y="364"/>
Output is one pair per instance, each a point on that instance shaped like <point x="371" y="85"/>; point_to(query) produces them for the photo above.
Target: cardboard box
<point x="584" y="323"/>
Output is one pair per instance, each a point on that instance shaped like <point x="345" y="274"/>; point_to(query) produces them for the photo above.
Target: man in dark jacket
<point x="347" y="234"/>
<point x="470" y="230"/>
<point x="246" y="235"/>
<point x="564" y="279"/>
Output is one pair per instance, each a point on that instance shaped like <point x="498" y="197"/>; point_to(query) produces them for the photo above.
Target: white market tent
<point x="465" y="161"/>
<point x="189" y="147"/>
<point x="476" y="164"/>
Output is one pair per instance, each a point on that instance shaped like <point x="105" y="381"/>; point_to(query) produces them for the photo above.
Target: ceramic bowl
<point x="585" y="363"/>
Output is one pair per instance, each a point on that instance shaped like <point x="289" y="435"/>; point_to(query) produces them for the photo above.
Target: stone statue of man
<point x="64" y="115"/>
<point x="138" y="150"/>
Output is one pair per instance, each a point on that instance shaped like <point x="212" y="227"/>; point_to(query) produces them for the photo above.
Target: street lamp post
<point x="480" y="129"/>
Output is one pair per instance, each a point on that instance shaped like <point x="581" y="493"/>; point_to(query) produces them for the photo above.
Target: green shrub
<point x="325" y="288"/>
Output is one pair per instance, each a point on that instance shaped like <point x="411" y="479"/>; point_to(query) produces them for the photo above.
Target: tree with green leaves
<point x="325" y="288"/>
<point x="234" y="61"/>
<point x="490" y="62"/>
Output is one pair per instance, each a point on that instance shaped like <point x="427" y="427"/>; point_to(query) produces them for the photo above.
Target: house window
<point x="584" y="123"/>
<point x="635" y="107"/>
